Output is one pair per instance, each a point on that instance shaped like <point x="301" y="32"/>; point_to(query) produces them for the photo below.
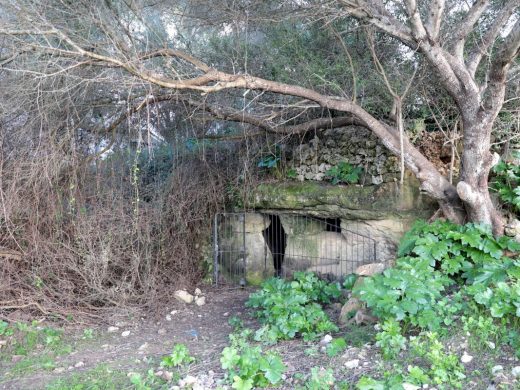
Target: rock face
<point x="367" y="224"/>
<point x="352" y="202"/>
<point x="254" y="259"/>
<point x="385" y="233"/>
<point x="326" y="253"/>
<point x="512" y="229"/>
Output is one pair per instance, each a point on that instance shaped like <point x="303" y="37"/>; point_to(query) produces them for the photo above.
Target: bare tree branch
<point x="418" y="30"/>
<point x="433" y="25"/>
<point x="482" y="47"/>
<point x="509" y="50"/>
<point x="466" y="26"/>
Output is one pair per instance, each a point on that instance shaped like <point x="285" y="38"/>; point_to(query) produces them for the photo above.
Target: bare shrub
<point x="75" y="235"/>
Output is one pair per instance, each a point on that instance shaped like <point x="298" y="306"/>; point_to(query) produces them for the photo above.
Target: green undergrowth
<point x="506" y="182"/>
<point x="448" y="280"/>
<point x="100" y="377"/>
<point x="29" y="347"/>
<point x="289" y="309"/>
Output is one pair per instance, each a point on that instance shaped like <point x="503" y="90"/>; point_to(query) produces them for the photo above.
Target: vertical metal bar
<point x="244" y="245"/>
<point x="215" y="250"/>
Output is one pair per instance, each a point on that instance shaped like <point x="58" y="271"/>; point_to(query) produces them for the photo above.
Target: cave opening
<point x="333" y="225"/>
<point x="276" y="240"/>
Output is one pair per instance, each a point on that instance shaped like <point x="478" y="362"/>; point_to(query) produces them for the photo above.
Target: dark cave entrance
<point x="333" y="225"/>
<point x="276" y="240"/>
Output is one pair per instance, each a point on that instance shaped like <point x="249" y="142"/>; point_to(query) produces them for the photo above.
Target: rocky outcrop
<point x="254" y="259"/>
<point x="355" y="202"/>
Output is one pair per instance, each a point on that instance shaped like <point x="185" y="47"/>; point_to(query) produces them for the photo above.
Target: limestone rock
<point x="497" y="369"/>
<point x="252" y="223"/>
<point x="299" y="225"/>
<point x="183" y="296"/>
<point x="352" y="305"/>
<point x="254" y="259"/>
<point x="465" y="358"/>
<point x="326" y="253"/>
<point x="351" y="202"/>
<point x="370" y="269"/>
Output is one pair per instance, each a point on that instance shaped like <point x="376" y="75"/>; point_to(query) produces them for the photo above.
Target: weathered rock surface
<point x="183" y="296"/>
<point x="354" y="202"/>
<point x="353" y="144"/>
<point x="512" y="229"/>
<point x="370" y="269"/>
<point x="254" y="259"/>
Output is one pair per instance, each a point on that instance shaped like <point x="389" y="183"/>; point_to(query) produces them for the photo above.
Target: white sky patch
<point x="171" y="29"/>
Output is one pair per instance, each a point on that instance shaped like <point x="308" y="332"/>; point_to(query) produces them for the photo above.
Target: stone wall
<point x="352" y="144"/>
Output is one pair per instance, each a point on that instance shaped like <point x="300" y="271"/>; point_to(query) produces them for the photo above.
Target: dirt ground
<point x="204" y="330"/>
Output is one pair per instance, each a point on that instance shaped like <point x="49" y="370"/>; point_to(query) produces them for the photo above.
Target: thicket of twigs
<point x="79" y="234"/>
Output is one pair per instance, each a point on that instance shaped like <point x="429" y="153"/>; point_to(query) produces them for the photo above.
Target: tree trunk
<point x="477" y="161"/>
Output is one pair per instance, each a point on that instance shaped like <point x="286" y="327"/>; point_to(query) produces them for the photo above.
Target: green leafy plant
<point x="88" y="334"/>
<point x="5" y="329"/>
<point x="145" y="382"/>
<point x="482" y="331"/>
<point x="440" y="255"/>
<point x="349" y="282"/>
<point x="390" y="339"/>
<point x="180" y="356"/>
<point x="506" y="183"/>
<point x="248" y="366"/>
<point x="291" y="173"/>
<point x="288" y="309"/>
<point x="320" y="379"/>
<point x="445" y="368"/>
<point x="336" y="346"/>
<point x="344" y="173"/>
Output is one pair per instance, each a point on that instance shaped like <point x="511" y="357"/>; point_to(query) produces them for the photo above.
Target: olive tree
<point x="154" y="51"/>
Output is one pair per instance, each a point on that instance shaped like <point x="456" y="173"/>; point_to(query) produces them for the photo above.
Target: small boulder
<point x="516" y="372"/>
<point x="352" y="305"/>
<point x="354" y="363"/>
<point x="512" y="229"/>
<point x="326" y="339"/>
<point x="16" y="358"/>
<point x="112" y="329"/>
<point x="370" y="269"/>
<point x="126" y="333"/>
<point x="200" y="301"/>
<point x="465" y="358"/>
<point x="497" y="369"/>
<point x="183" y="296"/>
<point x="198" y="292"/>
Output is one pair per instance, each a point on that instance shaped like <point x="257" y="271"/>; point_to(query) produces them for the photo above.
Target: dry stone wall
<point x="353" y="144"/>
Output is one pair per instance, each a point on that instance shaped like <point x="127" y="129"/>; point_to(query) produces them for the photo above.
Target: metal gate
<point x="250" y="247"/>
